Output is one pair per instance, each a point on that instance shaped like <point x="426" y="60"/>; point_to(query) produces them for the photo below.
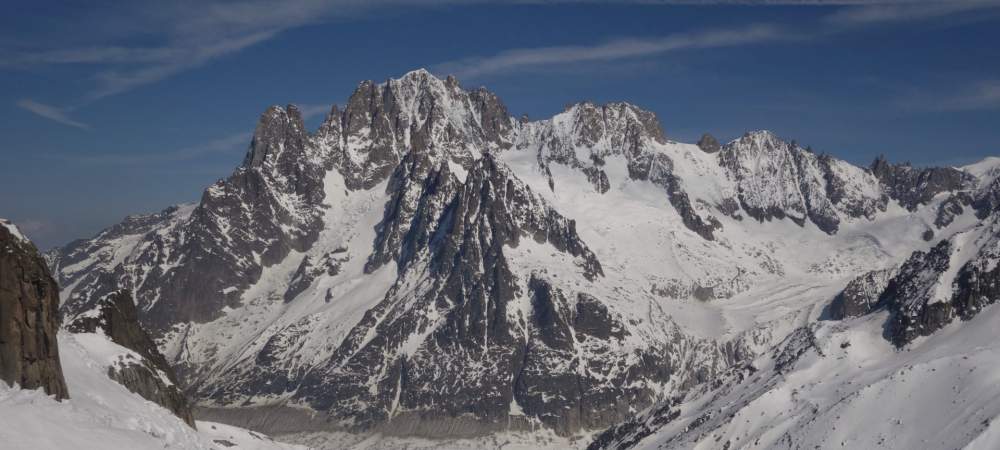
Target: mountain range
<point x="426" y="265"/>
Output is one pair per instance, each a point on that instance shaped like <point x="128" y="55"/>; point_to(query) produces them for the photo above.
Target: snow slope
<point x="100" y="413"/>
<point x="851" y="388"/>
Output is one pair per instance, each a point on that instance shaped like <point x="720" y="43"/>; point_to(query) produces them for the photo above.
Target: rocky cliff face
<point x="913" y="187"/>
<point x="709" y="144"/>
<point x="382" y="122"/>
<point x="147" y="373"/>
<point x="778" y="179"/>
<point x="425" y="264"/>
<point x="29" y="317"/>
<point x="956" y="278"/>
<point x="861" y="295"/>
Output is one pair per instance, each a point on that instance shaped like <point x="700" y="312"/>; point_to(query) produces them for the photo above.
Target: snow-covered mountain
<point x="424" y="264"/>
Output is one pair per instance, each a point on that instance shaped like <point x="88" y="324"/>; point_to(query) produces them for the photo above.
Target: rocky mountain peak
<point x="757" y="140"/>
<point x="277" y="129"/>
<point x="585" y="134"/>
<point x="423" y="79"/>
<point x="616" y="122"/>
<point x="418" y="111"/>
<point x="779" y="179"/>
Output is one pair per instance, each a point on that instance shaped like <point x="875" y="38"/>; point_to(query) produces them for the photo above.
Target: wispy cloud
<point x="195" y="33"/>
<point x="784" y="2"/>
<point x="226" y="144"/>
<point x="51" y="112"/>
<point x="850" y="15"/>
<point x="869" y="14"/>
<point x="116" y="81"/>
<point x="189" y="34"/>
<point x="520" y="58"/>
<point x="232" y="143"/>
<point x="979" y="95"/>
<point x="88" y="55"/>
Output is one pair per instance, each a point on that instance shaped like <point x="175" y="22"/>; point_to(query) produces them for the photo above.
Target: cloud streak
<point x="226" y="144"/>
<point x="857" y="13"/>
<point x="521" y="58"/>
<point x="189" y="35"/>
<point x="192" y="34"/>
<point x="89" y="55"/>
<point x="51" y="112"/>
<point x="117" y="81"/>
<point x="195" y="33"/>
<point x="906" y="11"/>
<point x="975" y="96"/>
<point x="785" y="2"/>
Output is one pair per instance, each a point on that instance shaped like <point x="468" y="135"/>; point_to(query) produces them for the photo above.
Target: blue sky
<point x="108" y="110"/>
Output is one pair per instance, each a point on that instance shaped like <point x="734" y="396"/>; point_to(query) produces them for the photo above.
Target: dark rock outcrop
<point x="909" y="296"/>
<point x="29" y="317"/>
<point x="987" y="200"/>
<point x="956" y="278"/>
<point x="922" y="299"/>
<point x="913" y="187"/>
<point x="860" y="295"/>
<point x="977" y="284"/>
<point x="798" y="343"/>
<point x="420" y="187"/>
<point x="951" y="208"/>
<point x="149" y="376"/>
<point x="708" y="144"/>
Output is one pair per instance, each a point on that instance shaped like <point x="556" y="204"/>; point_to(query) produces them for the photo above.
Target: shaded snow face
<point x="423" y="261"/>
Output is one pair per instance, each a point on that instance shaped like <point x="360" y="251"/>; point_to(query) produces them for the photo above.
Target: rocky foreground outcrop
<point x="147" y="373"/>
<point x="29" y="317"/>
